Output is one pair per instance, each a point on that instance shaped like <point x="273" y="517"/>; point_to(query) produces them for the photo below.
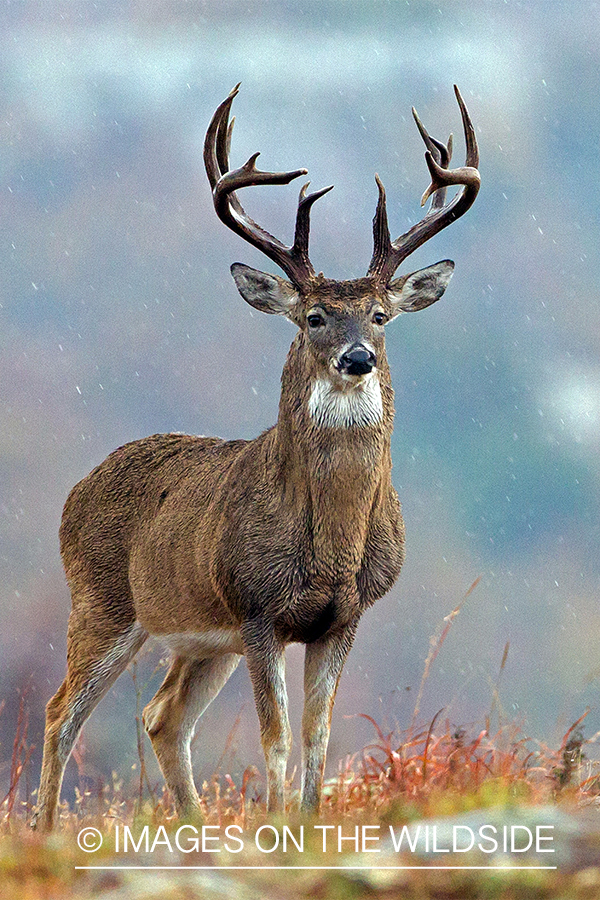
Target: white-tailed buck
<point x="224" y="549"/>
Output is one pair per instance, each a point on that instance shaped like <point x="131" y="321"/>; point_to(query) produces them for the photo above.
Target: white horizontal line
<point x="321" y="868"/>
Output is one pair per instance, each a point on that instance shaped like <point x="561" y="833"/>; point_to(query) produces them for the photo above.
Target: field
<point x="432" y="812"/>
<point x="459" y="790"/>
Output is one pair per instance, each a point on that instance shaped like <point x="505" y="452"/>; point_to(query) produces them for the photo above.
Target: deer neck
<point x="334" y="451"/>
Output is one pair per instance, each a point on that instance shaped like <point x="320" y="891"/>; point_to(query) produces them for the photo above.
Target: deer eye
<point x="380" y="318"/>
<point x="315" y="320"/>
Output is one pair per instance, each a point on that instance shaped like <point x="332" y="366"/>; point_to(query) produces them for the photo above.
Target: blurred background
<point x="118" y="319"/>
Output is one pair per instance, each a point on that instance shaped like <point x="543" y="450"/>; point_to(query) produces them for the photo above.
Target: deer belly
<point x="205" y="644"/>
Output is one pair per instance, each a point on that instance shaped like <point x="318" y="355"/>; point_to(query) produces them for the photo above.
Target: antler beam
<point x="293" y="260"/>
<point x="387" y="254"/>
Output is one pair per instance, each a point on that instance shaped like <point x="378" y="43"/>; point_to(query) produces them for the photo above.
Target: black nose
<point x="357" y="361"/>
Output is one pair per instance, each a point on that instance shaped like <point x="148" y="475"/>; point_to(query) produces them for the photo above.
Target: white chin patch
<point x="360" y="405"/>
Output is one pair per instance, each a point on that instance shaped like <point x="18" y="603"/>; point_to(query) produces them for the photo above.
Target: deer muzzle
<point x="358" y="360"/>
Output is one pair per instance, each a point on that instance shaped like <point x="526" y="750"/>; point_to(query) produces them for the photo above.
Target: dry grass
<point x="445" y="771"/>
<point x="416" y="775"/>
<point x="432" y="772"/>
<point x="421" y="773"/>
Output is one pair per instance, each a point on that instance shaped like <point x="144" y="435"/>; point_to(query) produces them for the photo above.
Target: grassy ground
<point x="480" y="811"/>
<point x="432" y="777"/>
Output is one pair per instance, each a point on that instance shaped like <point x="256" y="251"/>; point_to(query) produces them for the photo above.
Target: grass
<point x="420" y="775"/>
<point x="402" y="779"/>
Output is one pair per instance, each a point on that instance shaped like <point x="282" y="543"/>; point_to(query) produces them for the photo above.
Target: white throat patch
<point x="360" y="405"/>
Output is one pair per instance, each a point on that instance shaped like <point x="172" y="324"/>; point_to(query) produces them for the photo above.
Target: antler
<point x="224" y="183"/>
<point x="388" y="255"/>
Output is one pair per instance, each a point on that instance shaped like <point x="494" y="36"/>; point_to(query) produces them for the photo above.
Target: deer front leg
<point x="266" y="665"/>
<point x="323" y="666"/>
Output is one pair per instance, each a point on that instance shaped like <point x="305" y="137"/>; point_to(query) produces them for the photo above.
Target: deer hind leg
<point x="95" y="659"/>
<point x="189" y="687"/>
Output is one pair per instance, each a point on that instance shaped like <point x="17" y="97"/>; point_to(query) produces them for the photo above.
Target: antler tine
<point x="381" y="234"/>
<point x="224" y="183"/>
<point x="441" y="153"/>
<point x="223" y="142"/>
<point x="441" y="178"/>
<point x="301" y="234"/>
<point x="216" y="152"/>
<point x="388" y="255"/>
<point x="472" y="159"/>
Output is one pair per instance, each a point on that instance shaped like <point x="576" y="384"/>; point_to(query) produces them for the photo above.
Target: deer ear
<point x="268" y="293"/>
<point x="413" y="292"/>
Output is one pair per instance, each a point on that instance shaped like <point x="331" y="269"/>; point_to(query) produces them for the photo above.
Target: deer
<point x="230" y="548"/>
